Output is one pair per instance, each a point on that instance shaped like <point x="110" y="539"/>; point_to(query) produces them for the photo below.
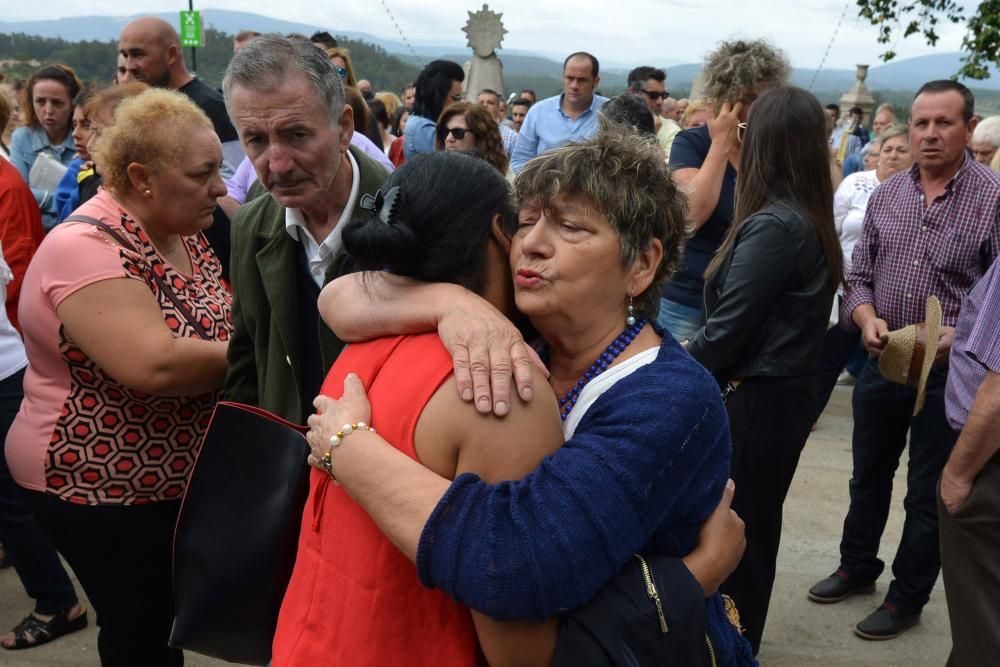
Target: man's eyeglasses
<point x="654" y="94"/>
<point x="457" y="132"/>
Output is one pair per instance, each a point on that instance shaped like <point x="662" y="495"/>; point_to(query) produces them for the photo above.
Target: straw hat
<point x="906" y="358"/>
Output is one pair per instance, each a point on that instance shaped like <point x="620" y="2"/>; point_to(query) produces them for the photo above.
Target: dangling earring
<point x="630" y="316"/>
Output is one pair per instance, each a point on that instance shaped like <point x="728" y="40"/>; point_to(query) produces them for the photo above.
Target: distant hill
<point x="95" y="60"/>
<point x="522" y="69"/>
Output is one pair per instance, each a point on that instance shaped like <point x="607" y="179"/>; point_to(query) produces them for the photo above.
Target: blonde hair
<point x="692" y="108"/>
<point x="146" y="131"/>
<point x="390" y="100"/>
<point x="6" y="107"/>
<point x="341" y="52"/>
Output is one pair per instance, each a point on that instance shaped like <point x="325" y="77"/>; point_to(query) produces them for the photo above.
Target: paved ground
<point x="799" y="632"/>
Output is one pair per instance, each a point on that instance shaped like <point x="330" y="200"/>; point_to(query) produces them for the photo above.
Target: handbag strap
<point x="161" y="284"/>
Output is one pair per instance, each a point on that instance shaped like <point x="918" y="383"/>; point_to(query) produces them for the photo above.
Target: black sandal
<point x="33" y="631"/>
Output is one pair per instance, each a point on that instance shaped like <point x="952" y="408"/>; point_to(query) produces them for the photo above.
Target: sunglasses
<point x="457" y="132"/>
<point x="654" y="94"/>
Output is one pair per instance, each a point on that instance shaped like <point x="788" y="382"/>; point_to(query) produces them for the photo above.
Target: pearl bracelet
<point x="335" y="441"/>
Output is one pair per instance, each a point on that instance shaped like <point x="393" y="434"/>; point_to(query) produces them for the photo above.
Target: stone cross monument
<point x="485" y="32"/>
<point x="859" y="96"/>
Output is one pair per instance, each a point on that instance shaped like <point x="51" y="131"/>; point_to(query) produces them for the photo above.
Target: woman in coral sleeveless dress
<point x="354" y="598"/>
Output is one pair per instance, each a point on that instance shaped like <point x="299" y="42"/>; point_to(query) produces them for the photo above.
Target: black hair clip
<point x="382" y="205"/>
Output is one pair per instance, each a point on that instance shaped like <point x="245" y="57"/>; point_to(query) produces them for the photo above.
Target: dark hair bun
<point x="443" y="206"/>
<point x="377" y="245"/>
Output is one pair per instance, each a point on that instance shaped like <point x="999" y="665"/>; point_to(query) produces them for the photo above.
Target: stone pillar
<point x="485" y="32"/>
<point x="859" y="96"/>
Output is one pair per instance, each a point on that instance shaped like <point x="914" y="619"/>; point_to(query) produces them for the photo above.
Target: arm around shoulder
<point x="366" y="305"/>
<point x="528" y="548"/>
<point x="498" y="449"/>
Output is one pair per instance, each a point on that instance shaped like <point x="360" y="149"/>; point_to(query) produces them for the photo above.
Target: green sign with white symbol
<point x="191" y="32"/>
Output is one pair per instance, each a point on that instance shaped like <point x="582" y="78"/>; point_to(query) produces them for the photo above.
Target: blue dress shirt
<point x="547" y="126"/>
<point x="418" y="137"/>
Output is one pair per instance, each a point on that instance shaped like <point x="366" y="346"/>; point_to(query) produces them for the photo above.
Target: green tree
<point x="981" y="44"/>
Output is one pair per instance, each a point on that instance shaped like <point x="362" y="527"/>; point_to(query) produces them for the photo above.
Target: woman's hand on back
<point x="331" y="415"/>
<point x="487" y="350"/>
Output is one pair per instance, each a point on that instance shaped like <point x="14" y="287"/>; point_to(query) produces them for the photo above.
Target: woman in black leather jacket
<point x="768" y="294"/>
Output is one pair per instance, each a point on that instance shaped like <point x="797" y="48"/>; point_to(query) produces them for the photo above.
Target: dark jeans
<point x="841" y="350"/>
<point x="770" y="420"/>
<point x="28" y="547"/>
<point x="122" y="556"/>
<point x="883" y="414"/>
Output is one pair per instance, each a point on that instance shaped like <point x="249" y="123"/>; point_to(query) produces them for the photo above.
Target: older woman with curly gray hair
<point x="705" y="160"/>
<point x="647" y="453"/>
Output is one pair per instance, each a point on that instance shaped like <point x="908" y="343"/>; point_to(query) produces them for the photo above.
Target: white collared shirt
<point x="320" y="255"/>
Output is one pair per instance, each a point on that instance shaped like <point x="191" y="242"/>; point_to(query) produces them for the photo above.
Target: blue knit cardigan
<point x="646" y="465"/>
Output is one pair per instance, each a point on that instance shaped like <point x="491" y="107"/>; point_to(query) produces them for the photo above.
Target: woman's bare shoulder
<point x="452" y="437"/>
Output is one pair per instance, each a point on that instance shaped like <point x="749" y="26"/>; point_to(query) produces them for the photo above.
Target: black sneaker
<point x="838" y="586"/>
<point x="886" y="622"/>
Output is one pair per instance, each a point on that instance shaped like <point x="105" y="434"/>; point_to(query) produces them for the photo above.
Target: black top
<point x="218" y="237"/>
<point x="689" y="150"/>
<point x="211" y="102"/>
<point x="768" y="305"/>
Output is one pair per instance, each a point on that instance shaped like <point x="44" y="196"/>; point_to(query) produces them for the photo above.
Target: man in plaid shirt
<point x="934" y="230"/>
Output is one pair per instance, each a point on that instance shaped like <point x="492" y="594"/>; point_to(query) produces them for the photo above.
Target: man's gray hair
<point x="988" y="131"/>
<point x="267" y="61"/>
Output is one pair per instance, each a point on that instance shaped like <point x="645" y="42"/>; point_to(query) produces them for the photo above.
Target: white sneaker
<point x="845" y="379"/>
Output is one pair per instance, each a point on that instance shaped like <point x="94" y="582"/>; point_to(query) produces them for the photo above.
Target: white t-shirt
<point x="12" y="357"/>
<point x="849" y="204"/>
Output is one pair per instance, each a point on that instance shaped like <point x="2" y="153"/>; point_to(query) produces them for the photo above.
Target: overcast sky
<point x="625" y="31"/>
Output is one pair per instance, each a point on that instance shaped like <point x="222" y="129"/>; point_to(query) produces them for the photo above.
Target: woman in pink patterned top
<point x="126" y="323"/>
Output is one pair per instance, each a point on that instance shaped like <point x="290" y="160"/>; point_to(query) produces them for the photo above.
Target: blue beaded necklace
<point x="606" y="358"/>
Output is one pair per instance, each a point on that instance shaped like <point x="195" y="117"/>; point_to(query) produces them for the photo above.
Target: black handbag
<point x="651" y="614"/>
<point x="237" y="534"/>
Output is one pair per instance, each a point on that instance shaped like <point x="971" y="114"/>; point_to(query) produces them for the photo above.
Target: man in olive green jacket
<point x="288" y="106"/>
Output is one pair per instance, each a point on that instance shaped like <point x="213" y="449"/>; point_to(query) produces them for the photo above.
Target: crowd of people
<point x="582" y="328"/>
